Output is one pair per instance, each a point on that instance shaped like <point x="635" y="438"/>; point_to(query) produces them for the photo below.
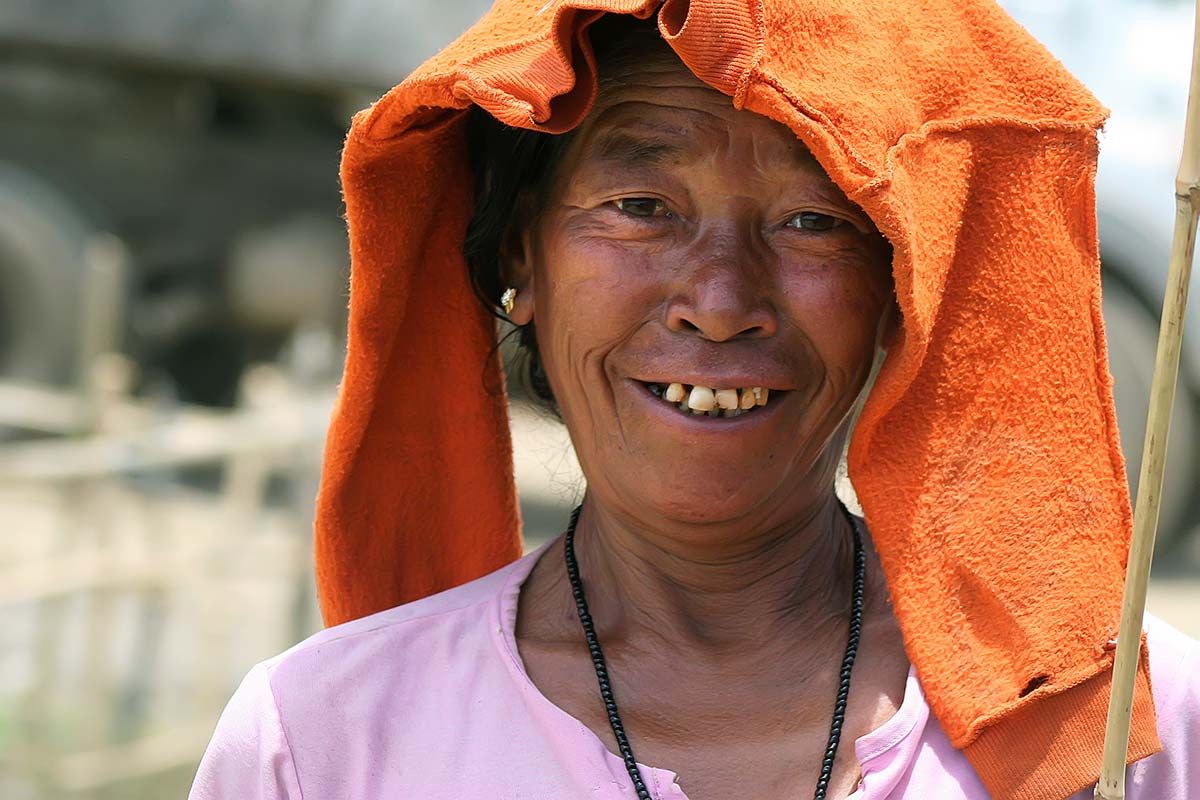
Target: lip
<point x="702" y="423"/>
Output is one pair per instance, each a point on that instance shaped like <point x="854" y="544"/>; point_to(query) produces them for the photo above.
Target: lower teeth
<point x="716" y="412"/>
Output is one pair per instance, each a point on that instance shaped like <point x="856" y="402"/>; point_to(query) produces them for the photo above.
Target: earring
<point x="508" y="299"/>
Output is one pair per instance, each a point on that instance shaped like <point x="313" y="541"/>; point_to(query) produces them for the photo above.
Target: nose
<point x="726" y="295"/>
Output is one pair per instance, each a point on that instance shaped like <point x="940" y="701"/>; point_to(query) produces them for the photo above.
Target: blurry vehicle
<point x="205" y="134"/>
<point x="1135" y="56"/>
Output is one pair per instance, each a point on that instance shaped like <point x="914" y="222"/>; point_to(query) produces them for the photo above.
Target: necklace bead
<point x="610" y="701"/>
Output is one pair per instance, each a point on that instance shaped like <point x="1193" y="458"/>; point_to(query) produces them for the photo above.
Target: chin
<point x="698" y="498"/>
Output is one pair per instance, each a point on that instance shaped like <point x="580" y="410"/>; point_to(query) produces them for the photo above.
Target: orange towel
<point x="987" y="458"/>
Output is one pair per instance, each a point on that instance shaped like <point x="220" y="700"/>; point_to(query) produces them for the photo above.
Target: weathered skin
<point x="716" y="562"/>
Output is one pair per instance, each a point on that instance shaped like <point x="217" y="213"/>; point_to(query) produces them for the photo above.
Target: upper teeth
<point x="704" y="399"/>
<point x="701" y="398"/>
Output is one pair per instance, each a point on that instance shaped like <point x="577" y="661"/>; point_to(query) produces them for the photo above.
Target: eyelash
<point x="659" y="205"/>
<point x="834" y="222"/>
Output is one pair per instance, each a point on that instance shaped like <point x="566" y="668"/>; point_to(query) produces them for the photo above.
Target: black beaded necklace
<point x="610" y="702"/>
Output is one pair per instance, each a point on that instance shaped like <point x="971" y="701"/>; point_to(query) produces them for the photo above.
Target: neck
<point x="718" y="588"/>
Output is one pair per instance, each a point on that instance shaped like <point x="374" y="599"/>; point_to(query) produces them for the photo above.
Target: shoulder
<point x="397" y="674"/>
<point x="1171" y="774"/>
<point x="1174" y="772"/>
<point x="1174" y="661"/>
<point x="1174" y="677"/>
<point x="248" y="733"/>
<point x="403" y="639"/>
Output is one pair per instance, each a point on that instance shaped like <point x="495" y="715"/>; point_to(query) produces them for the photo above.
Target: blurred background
<point x="172" y="295"/>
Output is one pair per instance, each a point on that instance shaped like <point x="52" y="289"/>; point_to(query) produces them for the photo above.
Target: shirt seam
<point x="511" y="657"/>
<point x="889" y="744"/>
<point x="1187" y="655"/>
<point x="498" y="600"/>
<point x="283" y="731"/>
<point x="904" y="731"/>
<point x="317" y="641"/>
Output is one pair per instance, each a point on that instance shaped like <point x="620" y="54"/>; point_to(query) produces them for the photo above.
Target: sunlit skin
<point x="685" y="240"/>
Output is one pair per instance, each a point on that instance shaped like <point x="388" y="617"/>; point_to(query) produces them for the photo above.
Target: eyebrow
<point x="629" y="149"/>
<point x="621" y="146"/>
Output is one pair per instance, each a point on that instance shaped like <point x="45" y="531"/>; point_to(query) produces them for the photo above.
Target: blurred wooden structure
<point x="152" y="552"/>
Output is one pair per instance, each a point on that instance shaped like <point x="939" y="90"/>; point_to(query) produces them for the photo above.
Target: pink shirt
<point x="430" y="700"/>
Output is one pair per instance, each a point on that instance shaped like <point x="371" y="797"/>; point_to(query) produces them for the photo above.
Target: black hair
<point x="514" y="169"/>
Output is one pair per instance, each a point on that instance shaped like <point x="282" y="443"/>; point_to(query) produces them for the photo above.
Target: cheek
<point x="591" y="295"/>
<point x="838" y="302"/>
<point x="597" y="290"/>
<point x="594" y="292"/>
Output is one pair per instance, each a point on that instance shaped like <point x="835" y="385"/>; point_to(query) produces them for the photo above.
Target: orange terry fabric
<point x="986" y="459"/>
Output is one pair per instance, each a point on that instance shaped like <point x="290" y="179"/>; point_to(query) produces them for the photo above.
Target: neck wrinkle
<point x="734" y="593"/>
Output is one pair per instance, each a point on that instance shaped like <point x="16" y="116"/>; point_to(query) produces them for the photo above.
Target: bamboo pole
<point x="1111" y="785"/>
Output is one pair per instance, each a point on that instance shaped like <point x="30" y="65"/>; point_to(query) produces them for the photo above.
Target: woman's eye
<point x="814" y="221"/>
<point x="642" y="206"/>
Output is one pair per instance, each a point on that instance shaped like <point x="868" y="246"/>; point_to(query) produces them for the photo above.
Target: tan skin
<point x="686" y="240"/>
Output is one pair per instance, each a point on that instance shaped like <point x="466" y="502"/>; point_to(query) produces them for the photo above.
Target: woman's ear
<point x="516" y="271"/>
<point x="889" y="326"/>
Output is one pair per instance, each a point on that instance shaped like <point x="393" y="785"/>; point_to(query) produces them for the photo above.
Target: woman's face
<point x="684" y="241"/>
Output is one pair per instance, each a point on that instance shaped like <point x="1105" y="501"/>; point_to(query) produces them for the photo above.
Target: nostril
<point x="718" y="330"/>
<point x="720" y="314"/>
<point x="753" y="332"/>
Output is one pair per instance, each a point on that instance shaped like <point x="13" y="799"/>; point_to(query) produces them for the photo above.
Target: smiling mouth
<point x="699" y="401"/>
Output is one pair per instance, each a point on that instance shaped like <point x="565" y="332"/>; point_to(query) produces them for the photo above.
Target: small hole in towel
<point x="1034" y="683"/>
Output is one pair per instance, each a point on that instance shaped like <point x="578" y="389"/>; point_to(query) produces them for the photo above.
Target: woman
<point x="707" y="220"/>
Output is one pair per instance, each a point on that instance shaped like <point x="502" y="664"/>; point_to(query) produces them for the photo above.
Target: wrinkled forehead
<point x="651" y="113"/>
<point x="647" y="93"/>
<point x="672" y="127"/>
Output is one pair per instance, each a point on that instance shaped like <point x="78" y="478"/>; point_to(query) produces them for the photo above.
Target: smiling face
<point x="683" y="241"/>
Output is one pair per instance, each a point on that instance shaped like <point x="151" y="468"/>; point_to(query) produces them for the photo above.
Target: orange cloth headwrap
<point x="986" y="459"/>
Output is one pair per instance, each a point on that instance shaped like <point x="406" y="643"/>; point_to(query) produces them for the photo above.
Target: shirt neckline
<point x="908" y="721"/>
